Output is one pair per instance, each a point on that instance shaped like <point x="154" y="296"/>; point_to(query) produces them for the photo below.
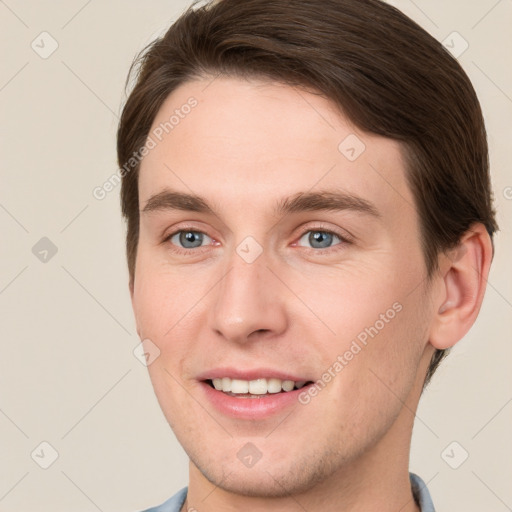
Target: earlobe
<point x="464" y="273"/>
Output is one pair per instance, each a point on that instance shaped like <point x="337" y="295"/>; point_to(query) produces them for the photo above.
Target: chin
<point x="278" y="478"/>
<point x="254" y="483"/>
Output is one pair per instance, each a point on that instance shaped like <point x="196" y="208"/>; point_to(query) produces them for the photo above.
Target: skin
<point x="246" y="146"/>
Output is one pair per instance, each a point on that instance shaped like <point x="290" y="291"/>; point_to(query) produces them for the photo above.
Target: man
<point x="310" y="228"/>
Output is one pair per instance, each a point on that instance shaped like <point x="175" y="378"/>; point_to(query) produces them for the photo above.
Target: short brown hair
<point x="383" y="71"/>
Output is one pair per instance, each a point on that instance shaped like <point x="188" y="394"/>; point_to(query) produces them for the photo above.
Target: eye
<point x="188" y="239"/>
<point x="319" y="239"/>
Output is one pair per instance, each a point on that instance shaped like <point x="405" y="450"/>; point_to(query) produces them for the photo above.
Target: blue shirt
<point x="419" y="491"/>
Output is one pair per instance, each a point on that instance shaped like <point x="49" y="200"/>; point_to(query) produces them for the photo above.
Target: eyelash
<point x="181" y="250"/>
<point x="344" y="240"/>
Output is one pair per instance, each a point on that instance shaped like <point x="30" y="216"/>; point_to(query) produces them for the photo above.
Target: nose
<point x="248" y="302"/>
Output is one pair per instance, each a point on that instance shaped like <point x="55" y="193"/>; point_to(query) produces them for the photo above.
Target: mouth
<point x="253" y="393"/>
<point x="256" y="388"/>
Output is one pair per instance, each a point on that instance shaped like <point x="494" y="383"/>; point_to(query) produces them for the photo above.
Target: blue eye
<point x="189" y="239"/>
<point x="319" y="239"/>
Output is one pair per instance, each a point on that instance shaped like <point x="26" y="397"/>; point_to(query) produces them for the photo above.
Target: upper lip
<point x="250" y="374"/>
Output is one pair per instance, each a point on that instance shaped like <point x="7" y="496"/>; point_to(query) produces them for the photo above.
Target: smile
<point x="255" y="388"/>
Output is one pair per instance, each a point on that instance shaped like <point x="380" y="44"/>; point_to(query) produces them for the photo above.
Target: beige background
<point x="68" y="375"/>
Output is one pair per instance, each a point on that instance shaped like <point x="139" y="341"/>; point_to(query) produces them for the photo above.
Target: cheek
<point x="346" y="301"/>
<point x="168" y="308"/>
<point x="163" y="297"/>
<point x="380" y="364"/>
<point x="380" y="323"/>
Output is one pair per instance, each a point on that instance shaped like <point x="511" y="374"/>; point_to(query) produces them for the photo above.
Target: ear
<point x="464" y="271"/>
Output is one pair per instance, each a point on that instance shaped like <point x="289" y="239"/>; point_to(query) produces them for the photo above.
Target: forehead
<point x="242" y="141"/>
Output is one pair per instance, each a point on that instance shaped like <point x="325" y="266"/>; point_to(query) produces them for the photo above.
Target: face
<point x="279" y="261"/>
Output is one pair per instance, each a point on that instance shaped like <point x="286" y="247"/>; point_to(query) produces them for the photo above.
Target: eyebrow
<point x="300" y="202"/>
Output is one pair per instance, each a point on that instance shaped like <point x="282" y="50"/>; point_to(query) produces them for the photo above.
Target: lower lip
<point x="251" y="408"/>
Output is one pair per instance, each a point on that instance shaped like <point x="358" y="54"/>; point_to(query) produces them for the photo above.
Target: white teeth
<point x="273" y="385"/>
<point x="239" y="386"/>
<point x="226" y="384"/>
<point x="256" y="386"/>
<point x="288" y="385"/>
